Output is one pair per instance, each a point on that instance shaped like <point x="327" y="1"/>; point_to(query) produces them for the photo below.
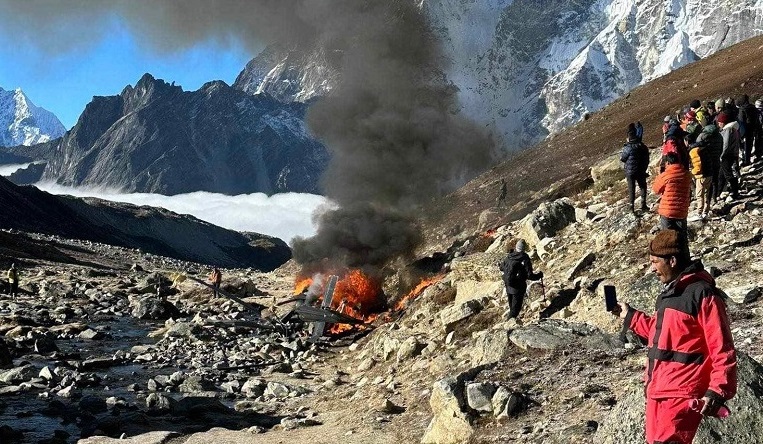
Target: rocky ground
<point x="100" y="345"/>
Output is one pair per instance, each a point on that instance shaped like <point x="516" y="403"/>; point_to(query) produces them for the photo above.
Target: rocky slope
<point x="531" y="68"/>
<point x="23" y="123"/>
<point x="152" y="230"/>
<point x="156" y="138"/>
<point x="445" y="369"/>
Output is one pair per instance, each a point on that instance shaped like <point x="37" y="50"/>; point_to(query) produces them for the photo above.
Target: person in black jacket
<point x="748" y="117"/>
<point x="635" y="158"/>
<point x="710" y="143"/>
<point x="517" y="268"/>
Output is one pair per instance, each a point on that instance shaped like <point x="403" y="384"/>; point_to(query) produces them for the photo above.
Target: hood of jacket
<point x="675" y="131"/>
<point x="731" y="126"/>
<point x="710" y="129"/>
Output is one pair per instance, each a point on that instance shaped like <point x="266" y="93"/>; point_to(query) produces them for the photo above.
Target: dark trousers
<point x="749" y="142"/>
<point x="712" y="195"/>
<point x="13" y="288"/>
<point x="516" y="297"/>
<point x="632" y="182"/>
<point x="728" y="177"/>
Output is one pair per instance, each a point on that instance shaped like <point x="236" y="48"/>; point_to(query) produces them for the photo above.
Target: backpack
<point x="513" y="270"/>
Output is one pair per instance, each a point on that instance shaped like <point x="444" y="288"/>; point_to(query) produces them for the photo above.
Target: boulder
<point x="549" y="334"/>
<point x="455" y="313"/>
<point x="548" y="219"/>
<point x="152" y="307"/>
<point x="409" y="348"/>
<point x="500" y="398"/>
<point x="472" y="289"/>
<point x="479" y="396"/>
<point x="608" y="170"/>
<point x="491" y="346"/>
<point x="744" y="294"/>
<point x="19" y="374"/>
<point x="450" y="425"/>
<point x="625" y="423"/>
<point x="146" y="438"/>
<point x="582" y="263"/>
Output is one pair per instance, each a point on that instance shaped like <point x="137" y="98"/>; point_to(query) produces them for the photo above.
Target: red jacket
<point x="675" y="186"/>
<point x="691" y="351"/>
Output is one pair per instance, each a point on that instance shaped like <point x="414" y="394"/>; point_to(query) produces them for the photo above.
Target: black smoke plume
<point x="392" y="125"/>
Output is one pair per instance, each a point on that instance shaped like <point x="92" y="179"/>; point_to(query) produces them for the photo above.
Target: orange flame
<point x="423" y="285"/>
<point x="359" y="296"/>
<point x="302" y="284"/>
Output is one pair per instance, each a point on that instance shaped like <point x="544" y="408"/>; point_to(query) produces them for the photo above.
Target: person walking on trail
<point x="691" y="351"/>
<point x="700" y="169"/>
<point x="517" y="268"/>
<point x="635" y="158"/>
<point x="216" y="279"/>
<point x="501" y="195"/>
<point x="729" y="155"/>
<point x="674" y="184"/>
<point x="693" y="127"/>
<point x="13" y="281"/>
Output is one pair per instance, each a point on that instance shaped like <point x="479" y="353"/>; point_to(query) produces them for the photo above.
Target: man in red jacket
<point x="691" y="351"/>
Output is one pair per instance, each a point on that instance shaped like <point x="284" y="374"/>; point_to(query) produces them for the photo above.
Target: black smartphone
<point x="610" y="297"/>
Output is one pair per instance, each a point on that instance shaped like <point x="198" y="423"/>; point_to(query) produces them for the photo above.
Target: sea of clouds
<point x="282" y="215"/>
<point x="7" y="170"/>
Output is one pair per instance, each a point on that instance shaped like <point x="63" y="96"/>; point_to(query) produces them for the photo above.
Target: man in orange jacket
<point x="674" y="184"/>
<point x="691" y="351"/>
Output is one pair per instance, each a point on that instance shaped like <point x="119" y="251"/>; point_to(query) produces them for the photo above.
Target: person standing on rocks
<point x="517" y="268"/>
<point x="13" y="281"/>
<point x="691" y="359"/>
<point x="501" y="195"/>
<point x="710" y="145"/>
<point x="635" y="158"/>
<point x="216" y="278"/>
<point x="729" y="155"/>
<point x="674" y="184"/>
<point x="748" y="119"/>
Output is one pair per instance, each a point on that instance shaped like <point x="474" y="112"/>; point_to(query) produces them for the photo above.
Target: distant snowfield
<point x="282" y="215"/>
<point x="7" y="170"/>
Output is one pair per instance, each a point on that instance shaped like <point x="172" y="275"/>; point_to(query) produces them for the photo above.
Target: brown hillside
<point x="562" y="163"/>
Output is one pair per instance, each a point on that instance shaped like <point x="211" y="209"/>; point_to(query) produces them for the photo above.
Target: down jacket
<point x="675" y="186"/>
<point x="691" y="351"/>
<point x="635" y="156"/>
<point x="710" y="143"/>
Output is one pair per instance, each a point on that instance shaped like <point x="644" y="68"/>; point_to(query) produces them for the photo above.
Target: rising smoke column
<point x="394" y="133"/>
<point x="392" y="125"/>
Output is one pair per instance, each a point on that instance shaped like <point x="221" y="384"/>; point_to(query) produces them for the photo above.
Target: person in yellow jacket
<point x="13" y="281"/>
<point x="702" y="184"/>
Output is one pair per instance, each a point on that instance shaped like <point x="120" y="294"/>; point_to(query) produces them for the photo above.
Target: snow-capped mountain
<point x="531" y="67"/>
<point x="23" y="123"/>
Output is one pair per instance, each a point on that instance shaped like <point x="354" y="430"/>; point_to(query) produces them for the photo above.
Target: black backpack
<point x="513" y="270"/>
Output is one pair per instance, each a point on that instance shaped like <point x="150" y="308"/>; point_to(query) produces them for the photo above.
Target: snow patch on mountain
<point x="23" y="123"/>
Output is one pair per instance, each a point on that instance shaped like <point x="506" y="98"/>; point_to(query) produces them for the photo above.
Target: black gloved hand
<point x="713" y="402"/>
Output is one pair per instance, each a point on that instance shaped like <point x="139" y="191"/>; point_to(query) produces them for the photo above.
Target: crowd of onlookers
<point x="704" y="148"/>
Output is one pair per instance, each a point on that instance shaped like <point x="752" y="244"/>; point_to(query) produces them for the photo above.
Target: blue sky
<point x="65" y="82"/>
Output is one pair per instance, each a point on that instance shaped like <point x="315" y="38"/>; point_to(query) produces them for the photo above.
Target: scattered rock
<point x="479" y="396"/>
<point x="744" y="295"/>
<point x="453" y="314"/>
<point x="450" y="425"/>
<point x="581" y="265"/>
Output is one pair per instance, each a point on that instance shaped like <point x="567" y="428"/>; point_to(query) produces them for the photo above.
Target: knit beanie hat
<point x="723" y="118"/>
<point x="695" y="104"/>
<point x="691" y="116"/>
<point x="668" y="243"/>
<point x="719" y="104"/>
<point x="521" y="245"/>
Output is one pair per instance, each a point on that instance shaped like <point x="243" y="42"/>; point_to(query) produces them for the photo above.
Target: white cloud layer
<point x="281" y="215"/>
<point x="7" y="170"/>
